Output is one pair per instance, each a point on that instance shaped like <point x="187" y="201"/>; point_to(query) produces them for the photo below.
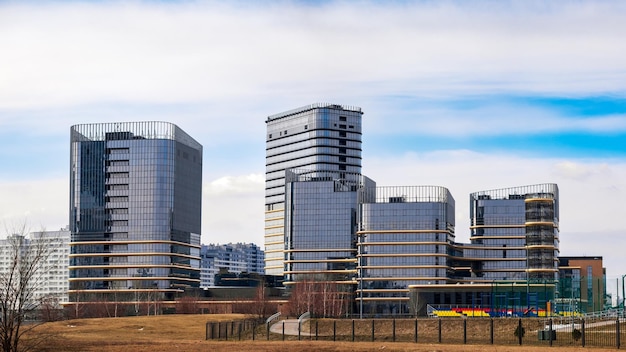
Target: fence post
<point x="283" y="330"/>
<point x="352" y="330"/>
<point x="239" y="331"/>
<point x="253" y="329"/>
<point x="393" y="328"/>
<point x="519" y="331"/>
<point x="334" y="330"/>
<point x="316" y="330"/>
<point x="439" y="332"/>
<point x="226" y="331"/>
<point x="491" y="329"/>
<point x="372" y="329"/>
<point x="617" y="333"/>
<point x="299" y="326"/>
<point x="415" y="330"/>
<point x="465" y="331"/>
<point x="268" y="331"/>
<point x="583" y="332"/>
<point x="550" y="332"/>
<point x="206" y="331"/>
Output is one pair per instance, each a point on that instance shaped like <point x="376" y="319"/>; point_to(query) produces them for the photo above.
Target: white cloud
<point x="42" y="203"/>
<point x="78" y="53"/>
<point x="235" y="185"/>
<point x="232" y="209"/>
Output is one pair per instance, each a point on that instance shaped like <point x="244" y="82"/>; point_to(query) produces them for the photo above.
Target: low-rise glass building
<point x="514" y="234"/>
<point x="405" y="237"/>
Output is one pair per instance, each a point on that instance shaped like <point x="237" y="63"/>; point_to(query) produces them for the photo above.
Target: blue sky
<point x="470" y="95"/>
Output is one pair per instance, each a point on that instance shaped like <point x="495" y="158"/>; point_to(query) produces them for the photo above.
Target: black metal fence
<point x="598" y="331"/>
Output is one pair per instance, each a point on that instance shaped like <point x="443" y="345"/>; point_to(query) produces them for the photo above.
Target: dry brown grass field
<point x="186" y="333"/>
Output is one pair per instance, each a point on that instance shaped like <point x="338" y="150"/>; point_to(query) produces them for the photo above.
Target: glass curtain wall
<point x="514" y="234"/>
<point x="135" y="206"/>
<point x="405" y="237"/>
<point x="314" y="137"/>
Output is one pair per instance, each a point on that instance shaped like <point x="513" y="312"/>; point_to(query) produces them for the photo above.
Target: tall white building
<point x="50" y="282"/>
<point x="319" y="137"/>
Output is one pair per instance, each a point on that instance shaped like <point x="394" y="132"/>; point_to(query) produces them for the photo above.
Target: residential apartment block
<point x="235" y="258"/>
<point x="49" y="284"/>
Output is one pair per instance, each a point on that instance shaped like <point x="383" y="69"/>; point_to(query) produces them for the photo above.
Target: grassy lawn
<point x="186" y="333"/>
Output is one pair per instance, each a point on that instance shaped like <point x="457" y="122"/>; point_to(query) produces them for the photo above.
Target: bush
<point x="519" y="331"/>
<point x="576" y="334"/>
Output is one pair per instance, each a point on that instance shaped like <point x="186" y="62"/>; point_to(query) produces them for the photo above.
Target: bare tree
<point x="20" y="280"/>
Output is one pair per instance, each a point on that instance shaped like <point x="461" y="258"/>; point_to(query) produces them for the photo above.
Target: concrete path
<point x="291" y="328"/>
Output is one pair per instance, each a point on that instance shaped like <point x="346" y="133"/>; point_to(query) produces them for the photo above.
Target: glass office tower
<point x="320" y="225"/>
<point x="514" y="233"/>
<point x="405" y="237"/>
<point x="135" y="209"/>
<point x="315" y="137"/>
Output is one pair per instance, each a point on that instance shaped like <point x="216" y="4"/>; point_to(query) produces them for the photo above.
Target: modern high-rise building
<point x="514" y="233"/>
<point x="315" y="137"/>
<point x="135" y="209"/>
<point x="405" y="237"/>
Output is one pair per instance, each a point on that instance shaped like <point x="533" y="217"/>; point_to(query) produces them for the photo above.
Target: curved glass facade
<point x="315" y="137"/>
<point x="135" y="208"/>
<point x="514" y="234"/>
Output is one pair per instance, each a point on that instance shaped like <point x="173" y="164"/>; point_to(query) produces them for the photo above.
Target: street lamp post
<point x="623" y="297"/>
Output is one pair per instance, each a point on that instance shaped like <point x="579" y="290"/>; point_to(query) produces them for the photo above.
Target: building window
<point x="342" y="118"/>
<point x="342" y="167"/>
<point x="342" y="150"/>
<point x="270" y="135"/>
<point x="342" y="142"/>
<point x="342" y="134"/>
<point x="342" y="126"/>
<point x="342" y="159"/>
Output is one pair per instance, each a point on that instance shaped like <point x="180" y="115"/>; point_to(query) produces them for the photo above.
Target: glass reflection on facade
<point x="514" y="234"/>
<point x="320" y="226"/>
<point x="405" y="237"/>
<point x="314" y="137"/>
<point x="135" y="208"/>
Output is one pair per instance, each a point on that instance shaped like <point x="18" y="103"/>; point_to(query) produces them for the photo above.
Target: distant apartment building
<point x="50" y="281"/>
<point x="319" y="137"/>
<point x="135" y="210"/>
<point x="233" y="257"/>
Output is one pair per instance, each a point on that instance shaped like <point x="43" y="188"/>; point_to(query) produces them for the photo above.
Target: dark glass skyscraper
<point x="135" y="208"/>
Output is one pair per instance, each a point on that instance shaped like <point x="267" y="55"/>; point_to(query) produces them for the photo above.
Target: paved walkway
<point x="291" y="328"/>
